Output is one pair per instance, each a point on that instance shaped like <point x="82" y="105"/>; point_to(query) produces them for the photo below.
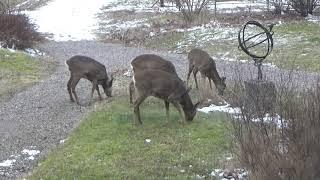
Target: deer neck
<point x="215" y="77"/>
<point x="186" y="103"/>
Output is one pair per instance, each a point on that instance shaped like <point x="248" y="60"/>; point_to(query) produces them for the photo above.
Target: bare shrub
<point x="304" y="7"/>
<point x="286" y="149"/>
<point x="17" y="32"/>
<point x="4" y="7"/>
<point x="278" y="5"/>
<point x="190" y="9"/>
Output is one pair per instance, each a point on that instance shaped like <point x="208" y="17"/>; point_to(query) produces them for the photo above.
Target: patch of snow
<point x="199" y="36"/>
<point x="30" y="153"/>
<point x="62" y="141"/>
<point x="226" y="108"/>
<point x="236" y="111"/>
<point x="145" y="6"/>
<point x="67" y="19"/>
<point x="276" y="119"/>
<point x="313" y="18"/>
<point x="128" y="73"/>
<point x="34" y="52"/>
<point x="7" y="163"/>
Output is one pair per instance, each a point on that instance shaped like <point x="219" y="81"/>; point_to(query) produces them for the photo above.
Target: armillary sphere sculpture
<point x="256" y="41"/>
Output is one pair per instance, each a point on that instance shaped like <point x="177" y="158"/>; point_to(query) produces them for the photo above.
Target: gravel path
<point x="37" y="119"/>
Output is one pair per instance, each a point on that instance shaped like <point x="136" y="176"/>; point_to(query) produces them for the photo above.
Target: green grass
<point x="17" y="70"/>
<point x="302" y="50"/>
<point x="106" y="145"/>
<point x="296" y="45"/>
<point x="165" y="42"/>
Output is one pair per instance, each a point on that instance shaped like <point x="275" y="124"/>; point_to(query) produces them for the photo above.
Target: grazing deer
<point x="200" y="60"/>
<point x="166" y="86"/>
<point x="88" y="68"/>
<point x="150" y="61"/>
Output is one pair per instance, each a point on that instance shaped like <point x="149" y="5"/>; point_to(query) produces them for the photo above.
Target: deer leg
<point x="210" y="83"/>
<point x="189" y="72"/>
<point x="131" y="91"/>
<point x="136" y="109"/>
<point x="69" y="89"/>
<point x="97" y="88"/>
<point x="166" y="103"/>
<point x="195" y="71"/>
<point x="73" y="88"/>
<point x="203" y="87"/>
<point x="94" y="85"/>
<point x="179" y="108"/>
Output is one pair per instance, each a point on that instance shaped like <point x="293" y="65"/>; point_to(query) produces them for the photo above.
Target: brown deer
<point x="166" y="86"/>
<point x="200" y="60"/>
<point x="90" y="69"/>
<point x="150" y="61"/>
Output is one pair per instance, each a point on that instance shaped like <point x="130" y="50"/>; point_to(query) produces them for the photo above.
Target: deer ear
<point x="223" y="79"/>
<point x="110" y="82"/>
<point x="197" y="104"/>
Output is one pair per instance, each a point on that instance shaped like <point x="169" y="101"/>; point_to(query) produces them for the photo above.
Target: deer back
<point x="152" y="61"/>
<point x="87" y="67"/>
<point x="199" y="58"/>
<point x="158" y="83"/>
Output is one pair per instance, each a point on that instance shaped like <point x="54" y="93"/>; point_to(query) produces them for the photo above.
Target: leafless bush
<point x="304" y="7"/>
<point x="17" y="32"/>
<point x="287" y="149"/>
<point x="4" y="7"/>
<point x="278" y="5"/>
<point x="190" y="9"/>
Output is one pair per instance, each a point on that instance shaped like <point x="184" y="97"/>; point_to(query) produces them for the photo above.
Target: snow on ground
<point x="30" y="153"/>
<point x="68" y="19"/>
<point x="226" y="108"/>
<point x="7" y="163"/>
<point x="236" y="113"/>
<point x="146" y="6"/>
<point x="313" y="18"/>
<point x="199" y="36"/>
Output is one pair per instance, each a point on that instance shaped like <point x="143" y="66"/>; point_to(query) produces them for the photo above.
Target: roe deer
<point x="166" y="86"/>
<point x="90" y="69"/>
<point x="200" y="60"/>
<point x="150" y="61"/>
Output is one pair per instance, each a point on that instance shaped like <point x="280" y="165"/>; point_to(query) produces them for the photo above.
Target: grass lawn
<point x="302" y="50"/>
<point x="296" y="44"/>
<point x="106" y="145"/>
<point x="17" y="70"/>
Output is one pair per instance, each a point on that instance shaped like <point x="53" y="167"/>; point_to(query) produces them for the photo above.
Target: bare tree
<point x="304" y="7"/>
<point x="191" y="8"/>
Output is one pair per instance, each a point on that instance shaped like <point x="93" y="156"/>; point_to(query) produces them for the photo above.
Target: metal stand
<point x="258" y="64"/>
